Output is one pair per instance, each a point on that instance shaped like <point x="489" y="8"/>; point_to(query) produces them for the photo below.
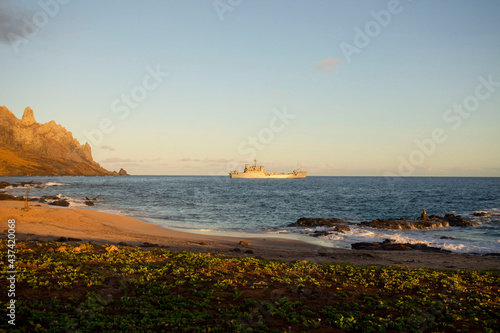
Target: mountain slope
<point x="30" y="148"/>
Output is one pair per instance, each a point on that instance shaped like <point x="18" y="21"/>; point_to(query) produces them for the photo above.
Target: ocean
<point x="220" y="205"/>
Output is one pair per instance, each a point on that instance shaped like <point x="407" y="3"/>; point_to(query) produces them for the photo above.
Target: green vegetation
<point x="92" y="290"/>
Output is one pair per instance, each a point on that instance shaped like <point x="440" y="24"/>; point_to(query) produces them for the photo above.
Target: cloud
<point x="327" y="65"/>
<point x="206" y="160"/>
<point x="119" y="160"/>
<point x="275" y="93"/>
<point x="106" y="147"/>
<point x="11" y="19"/>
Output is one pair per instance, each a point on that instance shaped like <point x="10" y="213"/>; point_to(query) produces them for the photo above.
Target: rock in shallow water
<point x="431" y="222"/>
<point x="316" y="222"/>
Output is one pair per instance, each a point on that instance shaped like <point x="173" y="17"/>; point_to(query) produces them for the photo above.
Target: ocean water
<point x="209" y="204"/>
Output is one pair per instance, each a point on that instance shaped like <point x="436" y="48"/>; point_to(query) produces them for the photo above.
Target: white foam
<point x="73" y="202"/>
<point x="422" y="237"/>
<point x="480" y="248"/>
<point x="54" y="184"/>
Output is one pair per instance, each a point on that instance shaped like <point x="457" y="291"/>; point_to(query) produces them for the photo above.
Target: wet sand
<point x="47" y="223"/>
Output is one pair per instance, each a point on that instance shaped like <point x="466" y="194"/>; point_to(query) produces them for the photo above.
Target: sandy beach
<point x="47" y="223"/>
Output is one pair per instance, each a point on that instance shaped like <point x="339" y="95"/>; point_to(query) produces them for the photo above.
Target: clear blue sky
<point x="337" y="87"/>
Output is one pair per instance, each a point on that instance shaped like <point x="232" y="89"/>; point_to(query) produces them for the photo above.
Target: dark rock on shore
<point x="389" y="245"/>
<point x="61" y="203"/>
<point x="147" y="244"/>
<point x="68" y="239"/>
<point x="316" y="222"/>
<point x="432" y="221"/>
<point x="89" y="203"/>
<point x="5" y="196"/>
<point x="318" y="233"/>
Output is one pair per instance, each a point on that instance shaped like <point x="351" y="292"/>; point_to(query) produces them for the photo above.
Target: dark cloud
<point x="11" y="20"/>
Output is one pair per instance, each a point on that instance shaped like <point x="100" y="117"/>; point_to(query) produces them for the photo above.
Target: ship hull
<point x="260" y="175"/>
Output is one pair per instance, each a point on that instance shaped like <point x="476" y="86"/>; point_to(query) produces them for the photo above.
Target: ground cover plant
<point x="84" y="288"/>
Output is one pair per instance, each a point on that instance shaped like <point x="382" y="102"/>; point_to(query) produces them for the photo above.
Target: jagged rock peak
<point x="28" y="117"/>
<point x="87" y="151"/>
<point x="30" y="148"/>
<point x="122" y="172"/>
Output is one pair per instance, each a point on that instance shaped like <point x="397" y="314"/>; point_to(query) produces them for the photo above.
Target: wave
<point x="435" y="238"/>
<point x="54" y="184"/>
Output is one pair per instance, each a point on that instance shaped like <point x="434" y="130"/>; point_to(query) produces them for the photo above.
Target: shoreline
<point x="47" y="223"/>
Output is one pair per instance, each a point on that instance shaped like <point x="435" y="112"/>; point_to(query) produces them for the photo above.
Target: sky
<point x="337" y="88"/>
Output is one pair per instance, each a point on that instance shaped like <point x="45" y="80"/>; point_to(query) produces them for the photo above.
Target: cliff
<point x="30" y="148"/>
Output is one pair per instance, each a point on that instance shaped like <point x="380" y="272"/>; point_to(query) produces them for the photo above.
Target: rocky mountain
<point x="30" y="148"/>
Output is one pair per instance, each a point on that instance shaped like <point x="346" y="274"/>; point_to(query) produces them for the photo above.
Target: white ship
<point x="258" y="171"/>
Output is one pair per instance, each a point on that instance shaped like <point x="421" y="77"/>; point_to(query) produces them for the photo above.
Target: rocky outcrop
<point x="122" y="172"/>
<point x="424" y="216"/>
<point x="339" y="225"/>
<point x="317" y="222"/>
<point x="60" y="203"/>
<point x="28" y="117"/>
<point x="5" y="196"/>
<point x="21" y="184"/>
<point x="28" y="148"/>
<point x="432" y="221"/>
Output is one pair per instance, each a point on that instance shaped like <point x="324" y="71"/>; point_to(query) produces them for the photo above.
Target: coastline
<point x="47" y="223"/>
